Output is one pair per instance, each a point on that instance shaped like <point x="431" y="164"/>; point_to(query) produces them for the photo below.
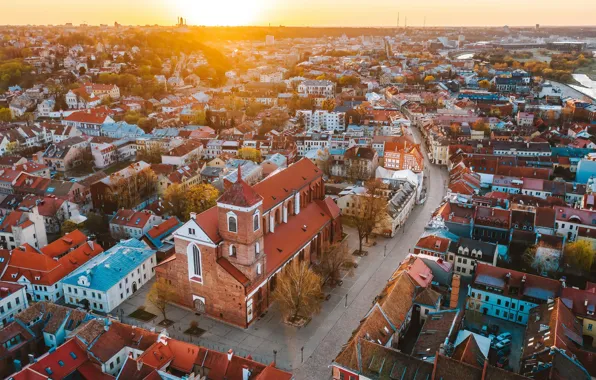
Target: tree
<point x="328" y="104"/>
<point x="429" y="79"/>
<point x="200" y="198"/>
<point x="5" y="114"/>
<point x="129" y="191"/>
<point x="151" y="154"/>
<point x="335" y="257"/>
<point x="484" y="84"/>
<point x="160" y="294"/>
<point x="251" y="154"/>
<point x="579" y="254"/>
<point x="369" y="210"/>
<point x="180" y="202"/>
<point x="480" y="125"/>
<point x="68" y="226"/>
<point x="298" y="291"/>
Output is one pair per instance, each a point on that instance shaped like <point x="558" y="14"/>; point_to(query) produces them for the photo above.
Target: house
<point x="65" y="244"/>
<point x="106" y="153"/>
<point x="492" y="224"/>
<point x="569" y="220"/>
<point x="160" y="237"/>
<point x="20" y="227"/>
<point x="360" y="163"/>
<point x="183" y="154"/>
<point x="54" y="210"/>
<point x="102" y="191"/>
<point x="324" y="88"/>
<point x="322" y="120"/>
<point x="525" y="119"/>
<point x="469" y="253"/>
<point x="238" y="246"/>
<point x="89" y="121"/>
<point x="66" y="154"/>
<point x="132" y="224"/>
<point x="104" y="282"/>
<point x="509" y="294"/>
<point x="440" y="329"/>
<point x="403" y="155"/>
<point x="13" y="300"/>
<point x="552" y="328"/>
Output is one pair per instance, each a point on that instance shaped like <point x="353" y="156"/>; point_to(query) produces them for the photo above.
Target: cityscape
<point x="248" y="193"/>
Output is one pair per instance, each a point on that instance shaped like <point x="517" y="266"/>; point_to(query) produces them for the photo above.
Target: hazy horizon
<point x="307" y="13"/>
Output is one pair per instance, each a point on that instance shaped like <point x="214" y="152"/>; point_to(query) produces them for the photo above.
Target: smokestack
<point x="455" y="285"/>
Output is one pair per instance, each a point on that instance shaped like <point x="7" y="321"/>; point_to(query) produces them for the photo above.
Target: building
<point x="105" y="281"/>
<point x="508" y="294"/>
<point x="132" y="224"/>
<point x="42" y="273"/>
<point x="469" y="253"/>
<point x="227" y="257"/>
<point x="359" y="164"/>
<point x="19" y="227"/>
<point x="323" y="120"/>
<point x="13" y="300"/>
<point x="403" y="155"/>
<point x="66" y="154"/>
<point x="317" y="88"/>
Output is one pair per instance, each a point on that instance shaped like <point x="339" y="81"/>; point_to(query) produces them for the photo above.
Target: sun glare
<point x="220" y="12"/>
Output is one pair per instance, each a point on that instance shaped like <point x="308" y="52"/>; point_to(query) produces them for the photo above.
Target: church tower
<point x="240" y="212"/>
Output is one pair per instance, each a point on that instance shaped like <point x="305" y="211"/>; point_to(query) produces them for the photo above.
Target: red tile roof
<point x="420" y="273"/>
<point x="163" y="227"/>
<point x="290" y="237"/>
<point x="71" y="355"/>
<point x="276" y="188"/>
<point x="233" y="271"/>
<point x="62" y="245"/>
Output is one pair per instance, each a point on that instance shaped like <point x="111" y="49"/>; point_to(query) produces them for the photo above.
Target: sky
<point x="301" y="12"/>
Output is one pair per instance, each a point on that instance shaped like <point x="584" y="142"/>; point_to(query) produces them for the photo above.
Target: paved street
<point x="326" y="344"/>
<point x="323" y="337"/>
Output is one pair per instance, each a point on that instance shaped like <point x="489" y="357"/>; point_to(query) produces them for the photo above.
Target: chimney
<point x="139" y="365"/>
<point x="91" y="245"/>
<point x="193" y="215"/>
<point x="31" y="358"/>
<point x="230" y="354"/>
<point x="455" y="284"/>
<point x="245" y="373"/>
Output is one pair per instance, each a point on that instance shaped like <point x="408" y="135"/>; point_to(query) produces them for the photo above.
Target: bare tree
<point x="160" y="294"/>
<point x="333" y="259"/>
<point x="298" y="292"/>
<point x="370" y="210"/>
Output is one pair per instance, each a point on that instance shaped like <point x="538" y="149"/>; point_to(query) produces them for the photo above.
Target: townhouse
<point x="132" y="224"/>
<point x="508" y="294"/>
<point x="13" y="300"/>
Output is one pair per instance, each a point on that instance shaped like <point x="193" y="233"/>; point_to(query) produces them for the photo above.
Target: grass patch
<point x="142" y="315"/>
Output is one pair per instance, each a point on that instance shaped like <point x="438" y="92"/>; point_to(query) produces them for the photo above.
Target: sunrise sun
<point x="220" y="12"/>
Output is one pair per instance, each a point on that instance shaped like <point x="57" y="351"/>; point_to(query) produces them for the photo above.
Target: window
<point x="232" y="250"/>
<point x="191" y="231"/>
<point x="196" y="258"/>
<point x="232" y="223"/>
<point x="497" y="312"/>
<point x="257" y="248"/>
<point x="498" y="302"/>
<point x="259" y="270"/>
<point x="255" y="221"/>
<point x="590" y="327"/>
<point x="486" y="298"/>
<point x="521" y="307"/>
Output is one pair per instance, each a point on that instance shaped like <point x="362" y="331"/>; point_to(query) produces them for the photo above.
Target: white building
<point x="323" y="120"/>
<point x="108" y="279"/>
<point x="324" y="88"/>
<point x="13" y="300"/>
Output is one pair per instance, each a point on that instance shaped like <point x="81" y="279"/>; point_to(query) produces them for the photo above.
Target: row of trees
<point x="180" y="200"/>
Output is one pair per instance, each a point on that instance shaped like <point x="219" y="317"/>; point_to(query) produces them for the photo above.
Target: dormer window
<point x="232" y="222"/>
<point x="232" y="251"/>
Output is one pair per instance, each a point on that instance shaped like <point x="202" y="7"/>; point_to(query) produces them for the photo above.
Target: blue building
<point x="108" y="279"/>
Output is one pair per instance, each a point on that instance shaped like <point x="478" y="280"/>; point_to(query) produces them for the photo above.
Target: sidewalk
<point x="268" y="333"/>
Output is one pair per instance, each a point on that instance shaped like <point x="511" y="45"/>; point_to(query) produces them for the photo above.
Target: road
<point x="322" y="348"/>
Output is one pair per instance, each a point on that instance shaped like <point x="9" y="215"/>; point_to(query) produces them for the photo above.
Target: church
<point x="227" y="258"/>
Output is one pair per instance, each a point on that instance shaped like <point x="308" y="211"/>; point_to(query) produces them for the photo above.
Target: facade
<point x="324" y="88"/>
<point x="227" y="257"/>
<point x="13" y="300"/>
<point x="133" y="224"/>
<point x="323" y="120"/>
<point x="507" y="294"/>
<point x="108" y="279"/>
<point x="403" y="155"/>
<point x="469" y="253"/>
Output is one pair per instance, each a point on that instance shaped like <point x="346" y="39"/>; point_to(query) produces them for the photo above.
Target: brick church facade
<point x="227" y="257"/>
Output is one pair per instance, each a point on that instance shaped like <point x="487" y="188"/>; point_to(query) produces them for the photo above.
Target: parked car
<point x="503" y="344"/>
<point x="502" y="362"/>
<point x="504" y="351"/>
<point x="503" y="336"/>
